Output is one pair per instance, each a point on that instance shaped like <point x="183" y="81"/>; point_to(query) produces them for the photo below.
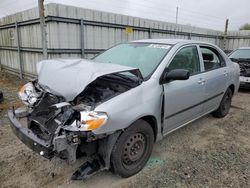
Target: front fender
<point x="130" y="106"/>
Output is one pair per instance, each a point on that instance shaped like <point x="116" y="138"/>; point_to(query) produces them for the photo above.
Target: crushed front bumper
<point x="38" y="145"/>
<point x="63" y="145"/>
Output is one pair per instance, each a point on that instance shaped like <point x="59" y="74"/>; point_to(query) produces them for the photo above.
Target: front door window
<point x="187" y="58"/>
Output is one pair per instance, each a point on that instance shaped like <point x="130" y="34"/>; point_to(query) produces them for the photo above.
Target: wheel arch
<point x="151" y="120"/>
<point x="232" y="87"/>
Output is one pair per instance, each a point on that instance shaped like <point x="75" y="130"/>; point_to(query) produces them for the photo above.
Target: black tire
<point x="225" y="104"/>
<point x="132" y="149"/>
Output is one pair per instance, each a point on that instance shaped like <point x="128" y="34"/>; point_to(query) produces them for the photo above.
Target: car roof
<point x="171" y="41"/>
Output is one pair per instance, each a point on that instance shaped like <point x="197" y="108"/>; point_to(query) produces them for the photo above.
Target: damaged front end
<point x="244" y="73"/>
<point x="47" y="118"/>
<point x="244" y="67"/>
<point x="53" y="126"/>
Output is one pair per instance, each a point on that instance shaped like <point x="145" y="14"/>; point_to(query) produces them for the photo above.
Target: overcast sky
<point x="201" y="13"/>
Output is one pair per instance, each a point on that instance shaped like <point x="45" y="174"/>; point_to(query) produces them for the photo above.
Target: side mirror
<point x="175" y="74"/>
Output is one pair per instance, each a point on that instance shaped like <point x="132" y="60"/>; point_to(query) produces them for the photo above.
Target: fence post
<point x="19" y="51"/>
<point x="225" y="35"/>
<point x="150" y="33"/>
<point x="190" y="36"/>
<point x="43" y="28"/>
<point x="82" y="38"/>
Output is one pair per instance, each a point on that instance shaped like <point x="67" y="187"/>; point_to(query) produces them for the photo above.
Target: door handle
<point x="201" y="81"/>
<point x="225" y="73"/>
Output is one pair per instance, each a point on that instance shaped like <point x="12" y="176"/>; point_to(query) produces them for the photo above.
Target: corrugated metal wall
<point x="237" y="39"/>
<point x="100" y="30"/>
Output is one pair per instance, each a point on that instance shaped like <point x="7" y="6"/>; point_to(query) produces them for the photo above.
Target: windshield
<point x="240" y="54"/>
<point x="144" y="56"/>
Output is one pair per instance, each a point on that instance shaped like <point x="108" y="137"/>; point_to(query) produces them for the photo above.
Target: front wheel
<point x="132" y="149"/>
<point x="225" y="104"/>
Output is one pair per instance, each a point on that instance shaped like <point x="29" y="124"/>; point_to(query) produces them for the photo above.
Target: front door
<point x="183" y="98"/>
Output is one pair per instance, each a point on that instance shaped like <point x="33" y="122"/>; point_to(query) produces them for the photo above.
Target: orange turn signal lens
<point x="95" y="123"/>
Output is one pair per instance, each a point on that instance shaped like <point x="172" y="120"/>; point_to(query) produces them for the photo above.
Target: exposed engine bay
<point x="106" y="87"/>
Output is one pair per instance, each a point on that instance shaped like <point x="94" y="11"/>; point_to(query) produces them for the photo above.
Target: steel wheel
<point x="134" y="149"/>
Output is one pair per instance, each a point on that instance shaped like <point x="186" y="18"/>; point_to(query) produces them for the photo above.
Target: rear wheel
<point x="132" y="149"/>
<point x="225" y="104"/>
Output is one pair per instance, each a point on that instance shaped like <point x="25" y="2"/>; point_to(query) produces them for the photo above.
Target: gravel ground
<point x="207" y="153"/>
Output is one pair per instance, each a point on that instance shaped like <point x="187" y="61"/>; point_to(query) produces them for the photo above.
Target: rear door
<point x="183" y="98"/>
<point x="215" y="75"/>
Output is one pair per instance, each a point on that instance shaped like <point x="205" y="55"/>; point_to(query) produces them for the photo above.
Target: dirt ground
<point x="207" y="153"/>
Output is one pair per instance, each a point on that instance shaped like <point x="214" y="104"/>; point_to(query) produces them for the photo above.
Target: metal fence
<point x="77" y="32"/>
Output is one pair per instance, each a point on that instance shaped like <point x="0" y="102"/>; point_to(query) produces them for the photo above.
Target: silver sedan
<point x="115" y="106"/>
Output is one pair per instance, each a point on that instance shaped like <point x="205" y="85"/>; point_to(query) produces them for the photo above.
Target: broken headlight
<point x="28" y="94"/>
<point x="89" y="120"/>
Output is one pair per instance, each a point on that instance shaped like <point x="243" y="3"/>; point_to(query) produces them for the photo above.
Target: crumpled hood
<point x="69" y="77"/>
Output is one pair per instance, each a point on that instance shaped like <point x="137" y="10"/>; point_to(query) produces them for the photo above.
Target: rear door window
<point x="211" y="58"/>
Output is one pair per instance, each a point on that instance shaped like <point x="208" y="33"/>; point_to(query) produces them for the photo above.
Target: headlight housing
<point x="89" y="121"/>
<point x="28" y="94"/>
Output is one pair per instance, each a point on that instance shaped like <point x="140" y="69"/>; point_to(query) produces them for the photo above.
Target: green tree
<point x="245" y="27"/>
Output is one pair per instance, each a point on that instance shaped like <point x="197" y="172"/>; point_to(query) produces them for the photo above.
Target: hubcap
<point x="134" y="148"/>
